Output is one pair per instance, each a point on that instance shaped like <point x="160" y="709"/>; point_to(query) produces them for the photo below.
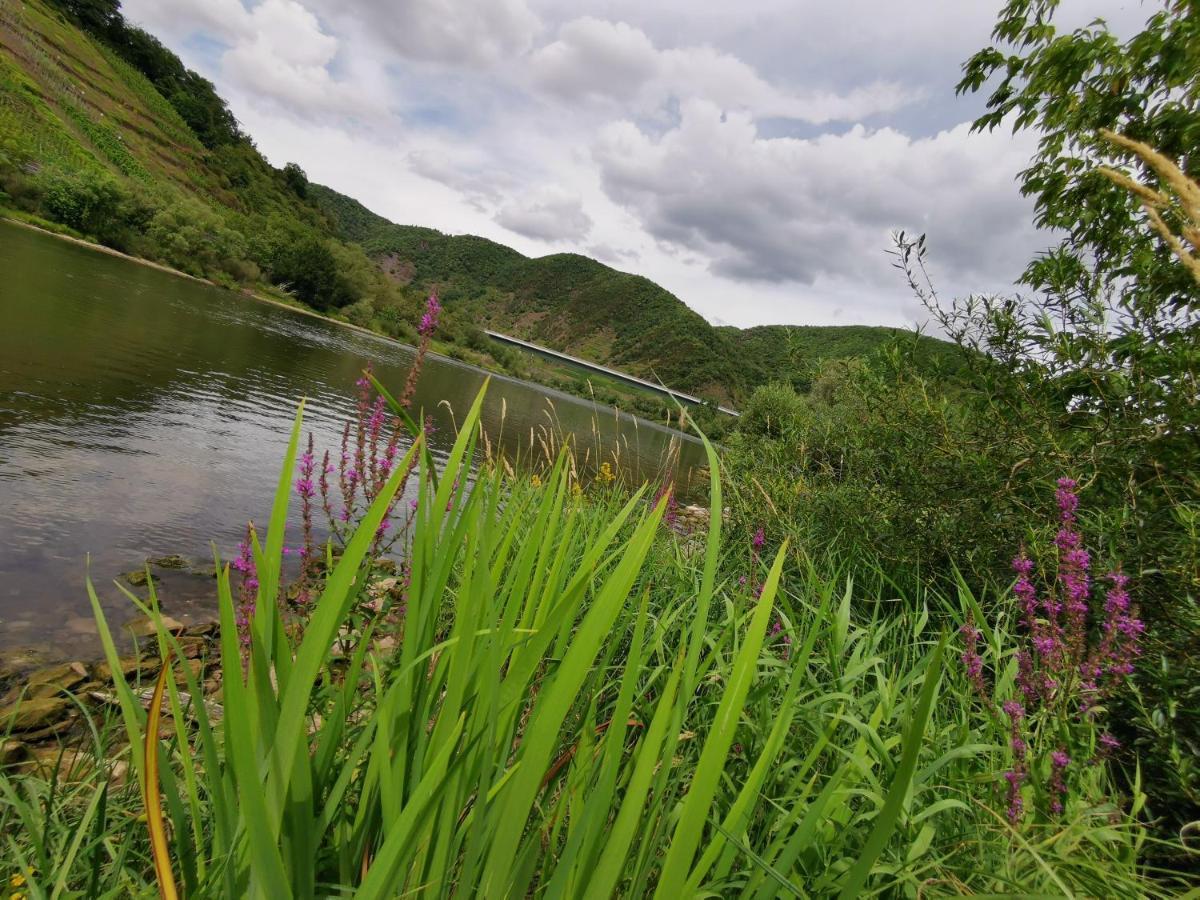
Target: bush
<point x="190" y="236"/>
<point x="773" y="410"/>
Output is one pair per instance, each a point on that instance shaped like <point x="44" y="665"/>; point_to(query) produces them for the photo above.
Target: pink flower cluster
<point x="1074" y="655"/>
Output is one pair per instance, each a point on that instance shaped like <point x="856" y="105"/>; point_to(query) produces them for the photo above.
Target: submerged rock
<point x="81" y="625"/>
<point x="136" y="577"/>
<point x="170" y="561"/>
<point x="19" y="660"/>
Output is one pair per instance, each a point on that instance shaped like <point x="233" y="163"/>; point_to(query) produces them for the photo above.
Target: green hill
<point x="103" y="131"/>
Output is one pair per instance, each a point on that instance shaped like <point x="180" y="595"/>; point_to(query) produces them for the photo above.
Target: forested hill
<point x="566" y="301"/>
<point x="105" y="132"/>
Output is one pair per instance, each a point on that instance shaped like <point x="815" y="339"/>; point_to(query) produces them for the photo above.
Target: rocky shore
<point x="44" y="710"/>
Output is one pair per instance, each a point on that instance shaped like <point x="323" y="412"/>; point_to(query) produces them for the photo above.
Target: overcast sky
<point x="750" y="156"/>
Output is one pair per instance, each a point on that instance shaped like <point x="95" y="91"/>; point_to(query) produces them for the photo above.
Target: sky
<point x="752" y="157"/>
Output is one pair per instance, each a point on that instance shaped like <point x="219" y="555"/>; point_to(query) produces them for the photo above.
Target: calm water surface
<point x="142" y="414"/>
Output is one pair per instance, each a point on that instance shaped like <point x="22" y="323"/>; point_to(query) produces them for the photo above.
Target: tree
<point x="1069" y="86"/>
<point x="309" y="270"/>
<point x="296" y="179"/>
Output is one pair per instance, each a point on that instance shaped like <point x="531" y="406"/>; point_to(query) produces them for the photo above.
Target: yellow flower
<point x="17" y="880"/>
<point x="576" y="490"/>
<point x="535" y="481"/>
<point x="605" y="475"/>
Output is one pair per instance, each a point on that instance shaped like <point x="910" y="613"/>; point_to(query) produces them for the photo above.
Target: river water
<point x="143" y="414"/>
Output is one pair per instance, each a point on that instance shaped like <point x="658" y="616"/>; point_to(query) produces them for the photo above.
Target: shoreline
<point x="6" y="217"/>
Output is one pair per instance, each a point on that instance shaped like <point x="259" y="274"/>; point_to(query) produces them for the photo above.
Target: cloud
<point x="276" y="52"/>
<point x="614" y="256"/>
<point x="287" y="57"/>
<point x="471" y="33"/>
<point x="596" y="59"/>
<point x="226" y="20"/>
<point x="792" y="210"/>
<point x="548" y="217"/>
<point x="750" y="159"/>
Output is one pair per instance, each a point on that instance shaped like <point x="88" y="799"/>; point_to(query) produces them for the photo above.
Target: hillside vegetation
<point x="103" y="131"/>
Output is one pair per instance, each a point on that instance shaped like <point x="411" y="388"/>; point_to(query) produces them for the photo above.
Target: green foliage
<point x="577" y="705"/>
<point x="296" y="180"/>
<point x="1106" y="356"/>
<point x="774" y="409"/>
<point x="86" y="201"/>
<point x="188" y="235"/>
<point x="308" y="269"/>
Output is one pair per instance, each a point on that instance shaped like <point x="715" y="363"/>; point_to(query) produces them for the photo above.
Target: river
<point x="144" y="414"/>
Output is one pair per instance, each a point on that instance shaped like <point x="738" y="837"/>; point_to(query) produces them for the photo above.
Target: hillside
<point x="105" y="132"/>
<point x="583" y="307"/>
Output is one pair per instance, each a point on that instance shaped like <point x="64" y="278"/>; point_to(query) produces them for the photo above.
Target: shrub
<point x="773" y="410"/>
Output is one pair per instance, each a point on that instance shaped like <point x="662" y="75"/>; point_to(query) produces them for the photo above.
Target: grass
<point x="580" y="703"/>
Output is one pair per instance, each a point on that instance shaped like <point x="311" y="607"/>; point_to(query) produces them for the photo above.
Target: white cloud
<point x="287" y="57"/>
<point x="472" y="33"/>
<point x="790" y="210"/>
<point x="225" y="20"/>
<point x="549" y="217"/>
<point x="593" y="58"/>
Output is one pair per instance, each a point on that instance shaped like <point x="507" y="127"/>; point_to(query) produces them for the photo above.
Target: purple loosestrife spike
<point x="248" y="592"/>
<point x="1058" y="787"/>
<point x="971" y="660"/>
<point x="1016" y="806"/>
<point x="429" y="321"/>
<point x="758" y="540"/>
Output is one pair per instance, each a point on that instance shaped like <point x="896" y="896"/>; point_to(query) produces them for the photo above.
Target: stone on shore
<point x="56" y="679"/>
<point x="34" y="713"/>
<point x="144" y="626"/>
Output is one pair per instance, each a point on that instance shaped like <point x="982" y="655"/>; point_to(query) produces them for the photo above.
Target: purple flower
<point x="1058" y="787"/>
<point x="971" y="660"/>
<point x="429" y="321"/>
<point x="758" y="540"/>
<point x="1016" y="806"/>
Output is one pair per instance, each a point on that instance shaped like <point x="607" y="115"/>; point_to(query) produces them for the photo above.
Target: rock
<point x="143" y="626"/>
<point x="203" y="629"/>
<point x="170" y="561"/>
<point x="60" y="763"/>
<point x="53" y="730"/>
<point x="33" y="713"/>
<point x="130" y="665"/>
<point x="12" y="752"/>
<point x="136" y="577"/>
<point x="193" y="647"/>
<point x="197" y="667"/>
<point x="81" y="625"/>
<point x="386" y="645"/>
<point x="18" y="661"/>
<point x="56" y="679"/>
